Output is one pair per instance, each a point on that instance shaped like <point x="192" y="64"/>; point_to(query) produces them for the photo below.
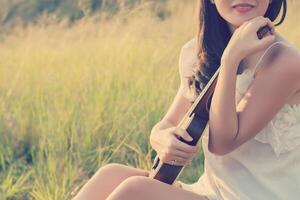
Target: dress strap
<point x="260" y="59"/>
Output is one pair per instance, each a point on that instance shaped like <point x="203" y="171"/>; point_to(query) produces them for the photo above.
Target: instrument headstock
<point x="263" y="31"/>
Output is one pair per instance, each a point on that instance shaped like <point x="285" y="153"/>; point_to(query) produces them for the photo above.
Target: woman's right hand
<point x="244" y="40"/>
<point x="168" y="147"/>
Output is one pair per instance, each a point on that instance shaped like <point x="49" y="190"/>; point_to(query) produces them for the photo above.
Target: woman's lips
<point x="243" y="8"/>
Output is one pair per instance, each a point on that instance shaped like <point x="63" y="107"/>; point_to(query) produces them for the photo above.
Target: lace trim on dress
<point x="283" y="131"/>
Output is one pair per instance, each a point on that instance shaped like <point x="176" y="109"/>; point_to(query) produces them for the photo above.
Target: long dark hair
<point x="213" y="35"/>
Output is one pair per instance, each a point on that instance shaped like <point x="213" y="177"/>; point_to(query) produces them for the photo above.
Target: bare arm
<point x="230" y="125"/>
<point x="180" y="104"/>
<point x="164" y="135"/>
<point x="175" y="113"/>
<point x="223" y="120"/>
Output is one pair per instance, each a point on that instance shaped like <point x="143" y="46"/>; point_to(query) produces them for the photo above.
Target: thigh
<point x="137" y="187"/>
<point x="106" y="179"/>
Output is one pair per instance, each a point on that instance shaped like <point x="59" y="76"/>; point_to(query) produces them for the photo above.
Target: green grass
<point x="73" y="99"/>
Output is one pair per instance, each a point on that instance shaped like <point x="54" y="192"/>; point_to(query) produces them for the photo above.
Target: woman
<point x="252" y="145"/>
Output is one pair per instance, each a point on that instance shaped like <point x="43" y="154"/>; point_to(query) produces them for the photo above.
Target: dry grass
<point x="74" y="99"/>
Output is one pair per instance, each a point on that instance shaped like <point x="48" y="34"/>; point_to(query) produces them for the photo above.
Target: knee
<point x="135" y="183"/>
<point x="111" y="167"/>
<point x="132" y="187"/>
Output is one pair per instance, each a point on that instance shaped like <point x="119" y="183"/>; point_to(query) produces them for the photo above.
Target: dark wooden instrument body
<point x="194" y="122"/>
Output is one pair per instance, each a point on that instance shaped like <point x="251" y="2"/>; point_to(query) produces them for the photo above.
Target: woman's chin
<point x="239" y="22"/>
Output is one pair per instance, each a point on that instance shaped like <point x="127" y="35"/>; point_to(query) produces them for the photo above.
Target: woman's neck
<point x="231" y="27"/>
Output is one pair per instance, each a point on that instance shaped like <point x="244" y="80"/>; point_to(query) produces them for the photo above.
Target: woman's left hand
<point x="244" y="40"/>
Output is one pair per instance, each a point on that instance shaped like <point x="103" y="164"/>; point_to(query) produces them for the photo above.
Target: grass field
<point x="74" y="99"/>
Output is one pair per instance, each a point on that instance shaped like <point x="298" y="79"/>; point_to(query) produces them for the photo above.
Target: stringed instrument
<point x="194" y="122"/>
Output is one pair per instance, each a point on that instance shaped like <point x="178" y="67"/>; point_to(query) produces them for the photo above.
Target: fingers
<point x="175" y="149"/>
<point x="177" y="163"/>
<point x="265" y="42"/>
<point x="259" y="22"/>
<point x="269" y="37"/>
<point x="176" y="144"/>
<point x="262" y="21"/>
<point x="183" y="133"/>
<point x="173" y="153"/>
<point x="183" y="154"/>
<point x="265" y="21"/>
<point x="175" y="160"/>
<point x="271" y="25"/>
<point x="184" y="147"/>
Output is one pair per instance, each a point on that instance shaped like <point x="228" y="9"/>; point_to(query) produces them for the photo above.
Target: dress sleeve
<point x="283" y="131"/>
<point x="187" y="60"/>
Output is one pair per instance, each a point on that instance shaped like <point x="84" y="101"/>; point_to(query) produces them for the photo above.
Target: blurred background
<point x="82" y="83"/>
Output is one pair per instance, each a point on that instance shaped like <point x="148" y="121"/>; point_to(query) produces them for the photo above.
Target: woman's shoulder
<point x="188" y="53"/>
<point x="187" y="61"/>
<point x="289" y="56"/>
<point x="289" y="51"/>
<point x="282" y="63"/>
<point x="188" y="57"/>
<point x="291" y="59"/>
<point x="191" y="44"/>
<point x="282" y="52"/>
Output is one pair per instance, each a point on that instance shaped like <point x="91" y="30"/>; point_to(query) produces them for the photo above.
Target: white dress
<point x="266" y="167"/>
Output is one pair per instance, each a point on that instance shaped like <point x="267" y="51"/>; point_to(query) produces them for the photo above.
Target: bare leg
<point x="138" y="187"/>
<point x="117" y="181"/>
<point x="106" y="179"/>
